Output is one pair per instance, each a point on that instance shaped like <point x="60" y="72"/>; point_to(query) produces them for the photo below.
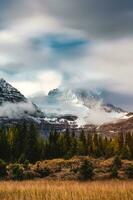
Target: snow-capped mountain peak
<point x="87" y="106"/>
<point x="62" y="108"/>
<point x="13" y="104"/>
<point x="9" y="93"/>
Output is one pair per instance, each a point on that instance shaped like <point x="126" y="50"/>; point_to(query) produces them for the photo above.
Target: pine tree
<point x="41" y="148"/>
<point x="67" y="144"/>
<point x="114" y="172"/>
<point x="23" y="130"/>
<point x="73" y="150"/>
<point x="86" y="170"/>
<point x="121" y="141"/>
<point x="4" y="146"/>
<point x="83" y="143"/>
<point x="129" y="143"/>
<point x="31" y="146"/>
<point x="96" y="148"/>
<point x="89" y="144"/>
<point x="117" y="162"/>
<point x="125" y="153"/>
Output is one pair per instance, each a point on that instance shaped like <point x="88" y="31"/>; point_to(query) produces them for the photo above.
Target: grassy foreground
<point x="67" y="190"/>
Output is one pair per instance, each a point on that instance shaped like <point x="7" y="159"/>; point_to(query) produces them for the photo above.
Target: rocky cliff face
<point x="9" y="93"/>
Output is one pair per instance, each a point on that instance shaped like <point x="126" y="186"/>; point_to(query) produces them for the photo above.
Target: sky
<point x="45" y="44"/>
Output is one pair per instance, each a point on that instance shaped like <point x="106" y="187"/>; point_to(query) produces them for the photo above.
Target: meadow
<point x="66" y="190"/>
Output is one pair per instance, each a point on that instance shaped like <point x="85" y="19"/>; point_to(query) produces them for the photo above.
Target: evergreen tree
<point x="96" y="147"/>
<point x="86" y="170"/>
<point x="83" y="143"/>
<point x="129" y="171"/>
<point x="23" y="142"/>
<point x="4" y="146"/>
<point x="41" y="148"/>
<point x="23" y="130"/>
<point x="67" y="144"/>
<point x="129" y="143"/>
<point x="31" y="146"/>
<point x="114" y="172"/>
<point x="121" y="141"/>
<point x="125" y="153"/>
<point x="89" y="144"/>
<point x="117" y="162"/>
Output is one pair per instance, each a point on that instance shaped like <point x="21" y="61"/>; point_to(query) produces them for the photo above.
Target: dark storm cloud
<point x="98" y="18"/>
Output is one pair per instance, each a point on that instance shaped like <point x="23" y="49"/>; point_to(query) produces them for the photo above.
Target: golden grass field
<point x="66" y="190"/>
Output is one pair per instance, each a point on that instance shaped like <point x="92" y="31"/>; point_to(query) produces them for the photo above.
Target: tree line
<point x="24" y="142"/>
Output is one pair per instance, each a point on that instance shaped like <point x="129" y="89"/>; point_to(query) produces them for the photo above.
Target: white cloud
<point x="106" y="65"/>
<point x="16" y="110"/>
<point x="49" y="80"/>
<point x="45" y="82"/>
<point x="68" y="103"/>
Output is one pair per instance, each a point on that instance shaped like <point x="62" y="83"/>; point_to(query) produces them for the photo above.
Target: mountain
<point x="15" y="105"/>
<point x="87" y="106"/>
<point x="63" y="109"/>
<point x="9" y="93"/>
<point x="121" y="125"/>
<point x="15" y="108"/>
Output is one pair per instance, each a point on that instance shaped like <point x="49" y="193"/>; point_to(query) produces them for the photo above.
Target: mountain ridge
<point x="81" y="103"/>
<point x="87" y="105"/>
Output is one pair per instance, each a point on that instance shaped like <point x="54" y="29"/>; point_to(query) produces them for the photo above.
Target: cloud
<point x="84" y="44"/>
<point x="45" y="82"/>
<point x="67" y="102"/>
<point x="105" y="65"/>
<point x="28" y="50"/>
<point x="100" y="19"/>
<point x="16" y="110"/>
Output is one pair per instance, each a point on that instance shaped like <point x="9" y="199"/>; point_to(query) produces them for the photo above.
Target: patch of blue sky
<point x="60" y="44"/>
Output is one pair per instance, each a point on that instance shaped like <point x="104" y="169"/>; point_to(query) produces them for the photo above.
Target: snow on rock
<point x="87" y="106"/>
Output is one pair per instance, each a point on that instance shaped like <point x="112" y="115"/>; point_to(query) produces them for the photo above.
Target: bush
<point x="86" y="170"/>
<point x="28" y="175"/>
<point x="15" y="171"/>
<point x="129" y="171"/>
<point x="75" y="170"/>
<point x="43" y="172"/>
<point x="2" y="168"/>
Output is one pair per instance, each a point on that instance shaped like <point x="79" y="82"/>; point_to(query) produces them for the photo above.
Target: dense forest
<point x="24" y="142"/>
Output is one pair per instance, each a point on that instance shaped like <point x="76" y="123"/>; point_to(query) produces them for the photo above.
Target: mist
<point x="65" y="102"/>
<point x="16" y="110"/>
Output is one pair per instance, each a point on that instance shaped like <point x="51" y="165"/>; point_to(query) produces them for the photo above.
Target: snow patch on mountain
<point x="87" y="106"/>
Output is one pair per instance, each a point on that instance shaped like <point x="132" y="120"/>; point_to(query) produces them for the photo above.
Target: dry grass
<point x="67" y="190"/>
